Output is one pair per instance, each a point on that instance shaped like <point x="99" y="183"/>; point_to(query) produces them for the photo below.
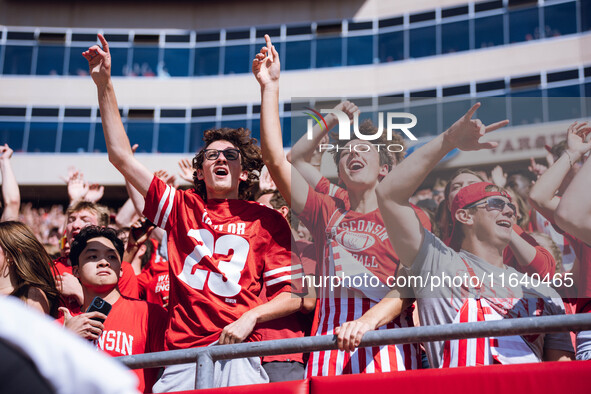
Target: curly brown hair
<point x="251" y="158"/>
<point x="386" y="157"/>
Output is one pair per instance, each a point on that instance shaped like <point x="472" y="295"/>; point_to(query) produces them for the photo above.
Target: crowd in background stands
<point x="223" y="265"/>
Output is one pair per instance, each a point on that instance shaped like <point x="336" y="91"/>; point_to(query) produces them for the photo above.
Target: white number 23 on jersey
<point x="197" y="278"/>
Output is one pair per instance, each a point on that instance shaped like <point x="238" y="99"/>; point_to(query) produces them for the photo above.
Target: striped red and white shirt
<point x="352" y="244"/>
<point x="484" y="351"/>
<point x="220" y="253"/>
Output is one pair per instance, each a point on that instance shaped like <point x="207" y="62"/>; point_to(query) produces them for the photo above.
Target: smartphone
<point x="138" y="232"/>
<point x="99" y="305"/>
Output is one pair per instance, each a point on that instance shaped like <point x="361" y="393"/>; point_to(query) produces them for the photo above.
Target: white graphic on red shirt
<point x="231" y="247"/>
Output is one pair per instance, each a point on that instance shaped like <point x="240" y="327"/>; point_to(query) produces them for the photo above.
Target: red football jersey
<point x="134" y="327"/>
<point x="220" y="253"/>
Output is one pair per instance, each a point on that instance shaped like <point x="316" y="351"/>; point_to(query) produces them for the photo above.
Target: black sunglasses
<point x="229" y="153"/>
<point x="494" y="203"/>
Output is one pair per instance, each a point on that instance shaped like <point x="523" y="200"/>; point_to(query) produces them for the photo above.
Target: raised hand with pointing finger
<point x="99" y="62"/>
<point x="466" y="132"/>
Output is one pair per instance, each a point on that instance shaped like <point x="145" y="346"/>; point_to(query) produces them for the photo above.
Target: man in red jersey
<point x="132" y="326"/>
<point x="221" y="248"/>
<point x="79" y="215"/>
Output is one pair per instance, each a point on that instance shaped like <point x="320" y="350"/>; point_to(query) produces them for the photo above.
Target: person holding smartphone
<point x="132" y="326"/>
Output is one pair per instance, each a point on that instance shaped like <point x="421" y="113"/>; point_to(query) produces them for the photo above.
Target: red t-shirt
<point x="220" y="253"/>
<point x="134" y="327"/>
<point x="341" y="197"/>
<point x="296" y="325"/>
<point x="159" y="286"/>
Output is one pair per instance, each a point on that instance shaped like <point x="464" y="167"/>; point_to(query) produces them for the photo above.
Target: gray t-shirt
<point x="439" y="299"/>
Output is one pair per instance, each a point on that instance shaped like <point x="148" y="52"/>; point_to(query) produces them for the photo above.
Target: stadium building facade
<point x="182" y="67"/>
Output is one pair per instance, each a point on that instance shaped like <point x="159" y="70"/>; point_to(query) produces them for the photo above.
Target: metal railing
<point x="206" y="356"/>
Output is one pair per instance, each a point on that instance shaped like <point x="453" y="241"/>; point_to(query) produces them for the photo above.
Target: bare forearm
<point x="303" y="149"/>
<point x="272" y="142"/>
<point x="136" y="198"/>
<point x="524" y="252"/>
<point x="282" y="305"/>
<point x="10" y="191"/>
<point x="116" y="139"/>
<point x="574" y="211"/>
<point x="388" y="309"/>
<point x="272" y="149"/>
<point x="543" y="192"/>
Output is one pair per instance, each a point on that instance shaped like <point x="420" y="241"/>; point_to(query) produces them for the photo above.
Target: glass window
<point x="234" y="124"/>
<point x="391" y="46"/>
<point x="119" y="66"/>
<point x="42" y="137"/>
<point x="75" y="137"/>
<point x="171" y="137"/>
<point x="78" y="64"/>
<point x="207" y="61"/>
<point x="141" y="133"/>
<point x="11" y="133"/>
<point x="196" y="136"/>
<point x="255" y="129"/>
<point x="524" y="25"/>
<point x="17" y="59"/>
<point x="526" y="107"/>
<point x="298" y="126"/>
<point x="564" y="103"/>
<point x="298" y="55"/>
<point x="286" y="131"/>
<point x="422" y="42"/>
<point x="587" y="98"/>
<point x="488" y="32"/>
<point x="455" y="37"/>
<point x="328" y="52"/>
<point x="99" y="138"/>
<point x="426" y="120"/>
<point x="359" y="50"/>
<point x="493" y="109"/>
<point x="176" y="63"/>
<point x="560" y="19"/>
<point x="585" y="15"/>
<point x="50" y="60"/>
<point x="453" y="110"/>
<point x="237" y="59"/>
<point x="145" y="61"/>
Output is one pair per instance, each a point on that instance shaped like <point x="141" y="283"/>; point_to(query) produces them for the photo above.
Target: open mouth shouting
<point x="220" y="171"/>
<point x="355" y="165"/>
<point x="504" y="223"/>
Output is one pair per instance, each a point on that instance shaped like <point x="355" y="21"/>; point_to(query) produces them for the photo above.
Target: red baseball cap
<point x="471" y="194"/>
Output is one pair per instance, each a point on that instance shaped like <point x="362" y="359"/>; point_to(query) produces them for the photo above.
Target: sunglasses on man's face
<point x="494" y="203"/>
<point x="229" y="153"/>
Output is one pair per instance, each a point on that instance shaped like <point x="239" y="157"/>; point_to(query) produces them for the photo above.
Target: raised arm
<point x="304" y="155"/>
<point x="290" y="184"/>
<point x="543" y="193"/>
<point x="404" y="228"/>
<point x="118" y="147"/>
<point x="574" y="211"/>
<point x="10" y="192"/>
